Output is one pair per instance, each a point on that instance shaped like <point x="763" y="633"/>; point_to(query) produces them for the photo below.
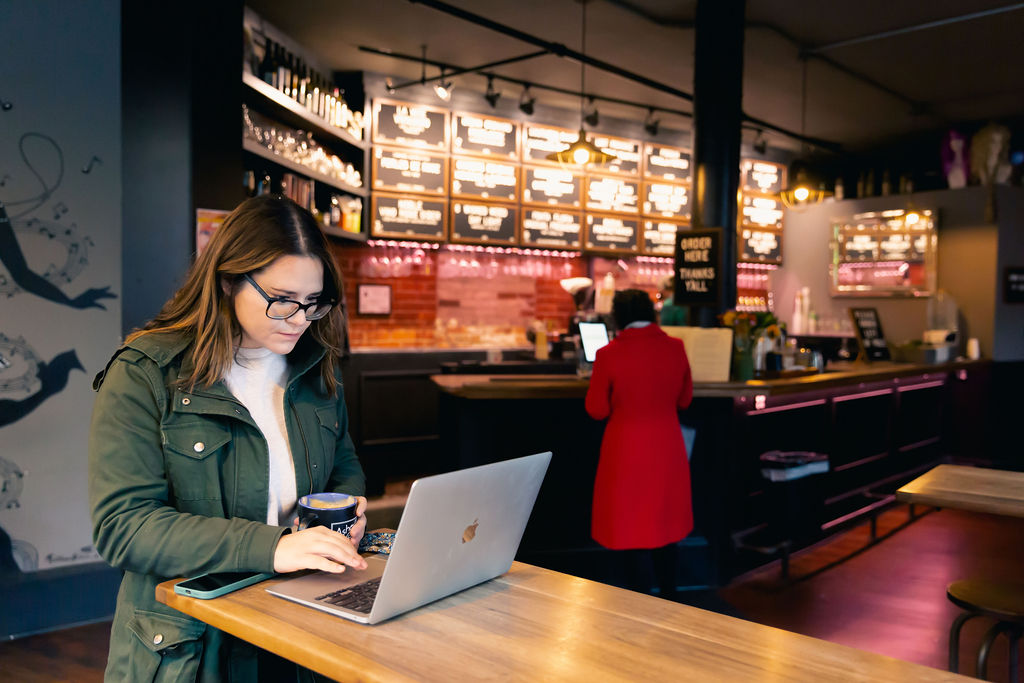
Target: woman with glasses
<point x="209" y="423"/>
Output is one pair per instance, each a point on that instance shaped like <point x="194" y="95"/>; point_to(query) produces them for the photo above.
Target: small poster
<point x="696" y="262"/>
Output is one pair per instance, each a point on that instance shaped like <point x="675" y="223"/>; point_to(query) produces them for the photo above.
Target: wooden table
<point x="536" y="624"/>
<point x="978" y="489"/>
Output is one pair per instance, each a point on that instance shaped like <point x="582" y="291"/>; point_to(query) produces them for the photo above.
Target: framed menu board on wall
<point x="479" y="223"/>
<point x="766" y="177"/>
<point x="410" y="125"/>
<point x="759" y="246"/>
<point x="552" y="186"/>
<point x="484" y="135"/>
<point x="539" y="141"/>
<point x="626" y="152"/>
<point x="550" y="227"/>
<point x="612" y="233"/>
<point x="667" y="163"/>
<point x="607" y="193"/>
<point x="763" y="211"/>
<point x="408" y="217"/>
<point x="666" y="200"/>
<point x="484" y="179"/>
<point x="659" y="236"/>
<point x="410" y="170"/>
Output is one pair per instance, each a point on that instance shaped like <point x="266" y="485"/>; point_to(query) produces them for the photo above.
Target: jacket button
<point x="314" y="466"/>
<point x="158" y="638"/>
<point x="199" y="447"/>
<point x="185" y="401"/>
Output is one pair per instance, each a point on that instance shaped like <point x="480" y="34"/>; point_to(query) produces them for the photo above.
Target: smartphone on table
<point x="209" y="586"/>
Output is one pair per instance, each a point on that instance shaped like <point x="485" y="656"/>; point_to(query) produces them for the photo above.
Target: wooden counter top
<point x="570" y="386"/>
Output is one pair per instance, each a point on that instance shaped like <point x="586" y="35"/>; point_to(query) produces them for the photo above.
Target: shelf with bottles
<point x="340" y="215"/>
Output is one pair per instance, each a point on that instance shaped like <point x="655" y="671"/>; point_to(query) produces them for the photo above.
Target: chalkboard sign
<point x="489" y="136"/>
<point x="666" y="163"/>
<point x="550" y="228"/>
<point x="869" y="334"/>
<point x="612" y="233"/>
<point x="626" y="153"/>
<point x="666" y="200"/>
<point x="698" y="278"/>
<point x="485" y="179"/>
<point x="762" y="176"/>
<point x="408" y="217"/>
<point x="760" y="246"/>
<point x="762" y="211"/>
<point x="539" y="141"/>
<point x="413" y="125"/>
<point x="552" y="186"/>
<point x="1013" y="285"/>
<point x="408" y="170"/>
<point x="484" y="223"/>
<point x="660" y="237"/>
<point x="612" y="194"/>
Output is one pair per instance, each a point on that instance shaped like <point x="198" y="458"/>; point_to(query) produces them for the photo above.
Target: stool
<point x="1003" y="602"/>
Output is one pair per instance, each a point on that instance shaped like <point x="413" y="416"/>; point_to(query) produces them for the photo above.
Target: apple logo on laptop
<point x="470" y="533"/>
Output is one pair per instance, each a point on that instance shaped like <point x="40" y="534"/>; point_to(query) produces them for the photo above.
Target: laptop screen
<point x="592" y="336"/>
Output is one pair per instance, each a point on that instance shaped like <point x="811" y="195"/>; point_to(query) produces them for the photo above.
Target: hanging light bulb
<point x="801" y="192"/>
<point x="492" y="96"/>
<point x="443" y="88"/>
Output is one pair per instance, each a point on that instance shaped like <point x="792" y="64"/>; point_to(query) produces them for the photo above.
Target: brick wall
<point x="457" y="297"/>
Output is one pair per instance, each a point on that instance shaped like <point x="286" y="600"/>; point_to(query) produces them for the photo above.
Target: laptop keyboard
<point x="358" y="598"/>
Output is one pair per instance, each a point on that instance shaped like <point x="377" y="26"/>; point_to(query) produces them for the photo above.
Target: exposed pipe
<point x="458" y="72"/>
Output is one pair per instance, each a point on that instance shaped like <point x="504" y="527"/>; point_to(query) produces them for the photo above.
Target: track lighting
<point x="651" y="124"/>
<point x="760" y="145"/>
<point x="492" y="96"/>
<point x="443" y="88"/>
<point x="526" y="101"/>
<point x="592" y="117"/>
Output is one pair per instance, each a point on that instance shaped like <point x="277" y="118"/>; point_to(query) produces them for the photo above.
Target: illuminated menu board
<point x="485" y="179"/>
<point x="612" y="233"/>
<point x="554" y="186"/>
<point x="475" y="134"/>
<point x="539" y="141"/>
<point x="896" y="246"/>
<point x="413" y="125"/>
<point x="551" y="228"/>
<point x="666" y="200"/>
<point x="484" y="223"/>
<point x="760" y="246"/>
<point x="408" y="217"/>
<point x="762" y="176"/>
<point x="860" y="246"/>
<point x="666" y="163"/>
<point x="612" y="194"/>
<point x="659" y="237"/>
<point x="407" y="170"/>
<point x="626" y="153"/>
<point x="761" y="211"/>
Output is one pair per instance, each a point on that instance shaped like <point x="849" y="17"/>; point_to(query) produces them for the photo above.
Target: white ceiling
<point x="968" y="70"/>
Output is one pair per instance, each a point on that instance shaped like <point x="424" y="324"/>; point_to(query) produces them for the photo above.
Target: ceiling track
<point x="561" y="50"/>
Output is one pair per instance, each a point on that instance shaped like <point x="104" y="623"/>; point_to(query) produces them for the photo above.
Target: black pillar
<point x="717" y="116"/>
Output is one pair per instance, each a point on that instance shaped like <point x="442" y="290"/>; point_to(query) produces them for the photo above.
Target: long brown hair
<point x="256" y="233"/>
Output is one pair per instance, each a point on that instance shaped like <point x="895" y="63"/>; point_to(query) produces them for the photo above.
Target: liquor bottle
<point x="314" y="82"/>
<point x="249" y="183"/>
<point x="886" y="184"/>
<point x="300" y="82"/>
<point x="284" y="73"/>
<point x="296" y="78"/>
<point x="268" y="67"/>
<point x="839" y="192"/>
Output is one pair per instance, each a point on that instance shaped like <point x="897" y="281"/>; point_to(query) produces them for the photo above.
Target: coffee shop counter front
<point x="880" y="424"/>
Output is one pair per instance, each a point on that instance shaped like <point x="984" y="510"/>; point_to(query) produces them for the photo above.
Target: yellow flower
<point x="728" y="318"/>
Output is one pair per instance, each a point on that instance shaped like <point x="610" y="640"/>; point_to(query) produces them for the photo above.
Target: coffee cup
<point x="336" y="511"/>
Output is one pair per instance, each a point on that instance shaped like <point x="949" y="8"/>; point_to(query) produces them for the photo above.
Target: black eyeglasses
<point x="280" y="308"/>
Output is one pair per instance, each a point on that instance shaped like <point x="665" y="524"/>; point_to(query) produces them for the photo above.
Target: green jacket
<point x="178" y="486"/>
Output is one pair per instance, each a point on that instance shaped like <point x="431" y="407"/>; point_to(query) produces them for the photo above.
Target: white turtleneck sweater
<point x="258" y="378"/>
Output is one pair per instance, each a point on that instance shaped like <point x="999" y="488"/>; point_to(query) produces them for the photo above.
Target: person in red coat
<point x="642" y="497"/>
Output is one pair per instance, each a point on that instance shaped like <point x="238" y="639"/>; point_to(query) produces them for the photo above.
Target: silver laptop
<point x="457" y="530"/>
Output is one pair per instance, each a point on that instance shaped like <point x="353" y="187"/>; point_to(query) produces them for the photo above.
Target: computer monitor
<point x="592" y="336"/>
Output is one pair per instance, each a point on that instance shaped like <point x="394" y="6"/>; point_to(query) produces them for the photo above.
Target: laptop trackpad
<point x="316" y="584"/>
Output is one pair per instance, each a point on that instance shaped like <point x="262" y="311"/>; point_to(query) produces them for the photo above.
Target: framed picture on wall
<point x="374" y="300"/>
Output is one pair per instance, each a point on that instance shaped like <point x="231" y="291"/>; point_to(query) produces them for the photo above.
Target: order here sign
<point x="696" y="264"/>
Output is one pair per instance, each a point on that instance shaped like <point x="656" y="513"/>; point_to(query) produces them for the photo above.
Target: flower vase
<point x="742" y="363"/>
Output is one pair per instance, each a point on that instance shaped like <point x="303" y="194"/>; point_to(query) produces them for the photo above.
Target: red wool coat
<point x="642" y="495"/>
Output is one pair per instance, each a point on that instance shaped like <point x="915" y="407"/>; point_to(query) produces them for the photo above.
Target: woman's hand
<point x="359" y="528"/>
<point x="319" y="548"/>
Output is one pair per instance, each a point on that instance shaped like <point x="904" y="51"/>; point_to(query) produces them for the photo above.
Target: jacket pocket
<point x="168" y="648"/>
<point x="192" y="472"/>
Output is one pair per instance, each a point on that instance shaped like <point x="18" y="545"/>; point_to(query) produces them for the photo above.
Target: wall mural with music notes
<point x="60" y="269"/>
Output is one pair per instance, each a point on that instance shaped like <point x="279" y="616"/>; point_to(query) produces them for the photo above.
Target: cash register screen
<point x="592" y="336"/>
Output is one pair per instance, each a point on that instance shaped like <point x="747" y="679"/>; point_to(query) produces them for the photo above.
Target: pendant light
<point x="582" y="151"/>
<point x="800" y="192"/>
